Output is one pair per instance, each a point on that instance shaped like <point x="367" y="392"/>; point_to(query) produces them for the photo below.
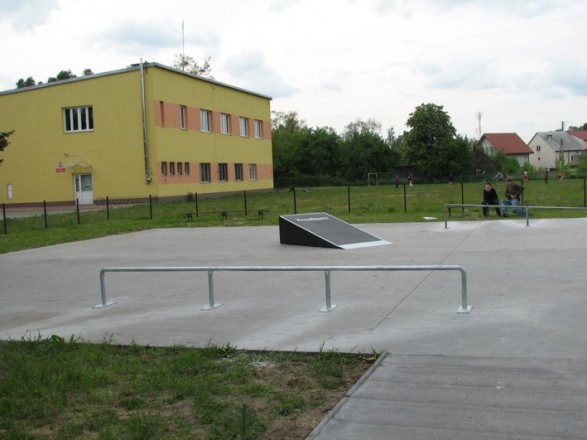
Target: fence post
<point x="245" y="197"/>
<point x="348" y="191"/>
<point x="151" y="206"/>
<point x="585" y="192"/>
<point x="45" y="212"/>
<point x="77" y="210"/>
<point x="405" y="201"/>
<point x="295" y="200"/>
<point x="462" y="195"/>
<point x="196" y="199"/>
<point x="107" y="208"/>
<point x="4" y="217"/>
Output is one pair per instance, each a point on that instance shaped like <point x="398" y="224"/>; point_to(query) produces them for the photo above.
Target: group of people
<point x="513" y="194"/>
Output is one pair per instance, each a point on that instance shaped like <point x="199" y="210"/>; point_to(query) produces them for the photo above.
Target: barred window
<point x="78" y="119"/>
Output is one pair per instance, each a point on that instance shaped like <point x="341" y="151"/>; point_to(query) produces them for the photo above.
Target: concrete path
<point x="515" y="367"/>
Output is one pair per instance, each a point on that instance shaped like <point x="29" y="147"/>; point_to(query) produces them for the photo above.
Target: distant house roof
<point x="508" y="143"/>
<point x="581" y="134"/>
<point x="561" y="140"/>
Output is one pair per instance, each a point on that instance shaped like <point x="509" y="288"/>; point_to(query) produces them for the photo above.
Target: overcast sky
<point x="520" y="63"/>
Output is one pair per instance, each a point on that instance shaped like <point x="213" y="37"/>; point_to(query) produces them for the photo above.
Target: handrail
<point x="464" y="307"/>
<point x="527" y="208"/>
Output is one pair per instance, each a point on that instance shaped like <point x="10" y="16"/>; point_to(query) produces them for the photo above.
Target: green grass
<point x="67" y="389"/>
<point x="373" y="204"/>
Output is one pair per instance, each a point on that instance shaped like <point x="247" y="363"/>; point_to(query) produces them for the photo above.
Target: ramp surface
<point x="320" y="229"/>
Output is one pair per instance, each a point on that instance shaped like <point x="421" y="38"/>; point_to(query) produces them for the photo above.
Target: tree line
<point x="310" y="156"/>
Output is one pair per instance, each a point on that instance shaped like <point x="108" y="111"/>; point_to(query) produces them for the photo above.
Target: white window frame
<point x="258" y="129"/>
<point x="206" y="121"/>
<point x="252" y="171"/>
<point x="243" y="126"/>
<point x="77" y="119"/>
<point x="224" y="123"/>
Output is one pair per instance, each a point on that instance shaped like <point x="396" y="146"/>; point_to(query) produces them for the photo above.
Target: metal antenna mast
<point x="479" y="116"/>
<point x="182" y="47"/>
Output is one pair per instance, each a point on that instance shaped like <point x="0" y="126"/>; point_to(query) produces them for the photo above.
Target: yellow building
<point x="148" y="130"/>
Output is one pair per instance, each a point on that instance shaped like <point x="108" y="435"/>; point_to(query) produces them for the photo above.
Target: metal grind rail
<point x="464" y="307"/>
<point x="527" y="208"/>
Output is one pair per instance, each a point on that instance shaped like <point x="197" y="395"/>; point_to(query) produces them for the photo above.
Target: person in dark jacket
<point x="490" y="198"/>
<point x="513" y="194"/>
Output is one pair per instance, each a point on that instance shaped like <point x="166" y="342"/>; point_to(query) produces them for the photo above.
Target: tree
<point x="29" y="82"/>
<point x="4" y="135"/>
<point x="63" y="75"/>
<point x="287" y="132"/>
<point x="87" y="72"/>
<point x="318" y="153"/>
<point x="582" y="164"/>
<point x="366" y="152"/>
<point x="578" y="128"/>
<point x="504" y="163"/>
<point x="361" y="127"/>
<point x="188" y="64"/>
<point x="391" y="138"/>
<point x="432" y="146"/>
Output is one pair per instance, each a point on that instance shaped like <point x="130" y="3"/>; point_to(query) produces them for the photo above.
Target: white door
<point x="83" y="188"/>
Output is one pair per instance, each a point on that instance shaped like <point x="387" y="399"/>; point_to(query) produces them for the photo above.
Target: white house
<point x="550" y="146"/>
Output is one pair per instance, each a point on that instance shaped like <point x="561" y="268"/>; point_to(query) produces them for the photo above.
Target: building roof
<point x="581" y="134"/>
<point x="560" y="140"/>
<point x="133" y="67"/>
<point x="508" y="143"/>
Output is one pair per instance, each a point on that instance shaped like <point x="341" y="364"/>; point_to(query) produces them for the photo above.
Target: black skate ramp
<point x="320" y="229"/>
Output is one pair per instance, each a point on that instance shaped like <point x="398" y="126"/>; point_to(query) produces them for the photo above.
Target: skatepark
<point x="514" y="367"/>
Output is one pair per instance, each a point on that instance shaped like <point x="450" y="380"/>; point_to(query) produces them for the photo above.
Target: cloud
<point x="571" y="81"/>
<point x="254" y="74"/>
<point x="27" y="14"/>
<point x="331" y="87"/>
<point x="477" y="75"/>
<point x="155" y="34"/>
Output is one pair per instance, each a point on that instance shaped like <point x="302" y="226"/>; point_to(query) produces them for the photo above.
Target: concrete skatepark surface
<point x="515" y="367"/>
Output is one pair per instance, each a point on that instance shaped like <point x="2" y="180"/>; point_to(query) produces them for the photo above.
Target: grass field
<point x="66" y="389"/>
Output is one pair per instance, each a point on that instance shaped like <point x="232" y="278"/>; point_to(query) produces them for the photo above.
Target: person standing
<point x="513" y="194"/>
<point x="490" y="198"/>
<point x="546" y="175"/>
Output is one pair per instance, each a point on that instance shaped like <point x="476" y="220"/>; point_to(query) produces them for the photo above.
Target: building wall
<point x="37" y="162"/>
<point x="544" y="156"/>
<point x="40" y="162"/>
<point x="168" y="92"/>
